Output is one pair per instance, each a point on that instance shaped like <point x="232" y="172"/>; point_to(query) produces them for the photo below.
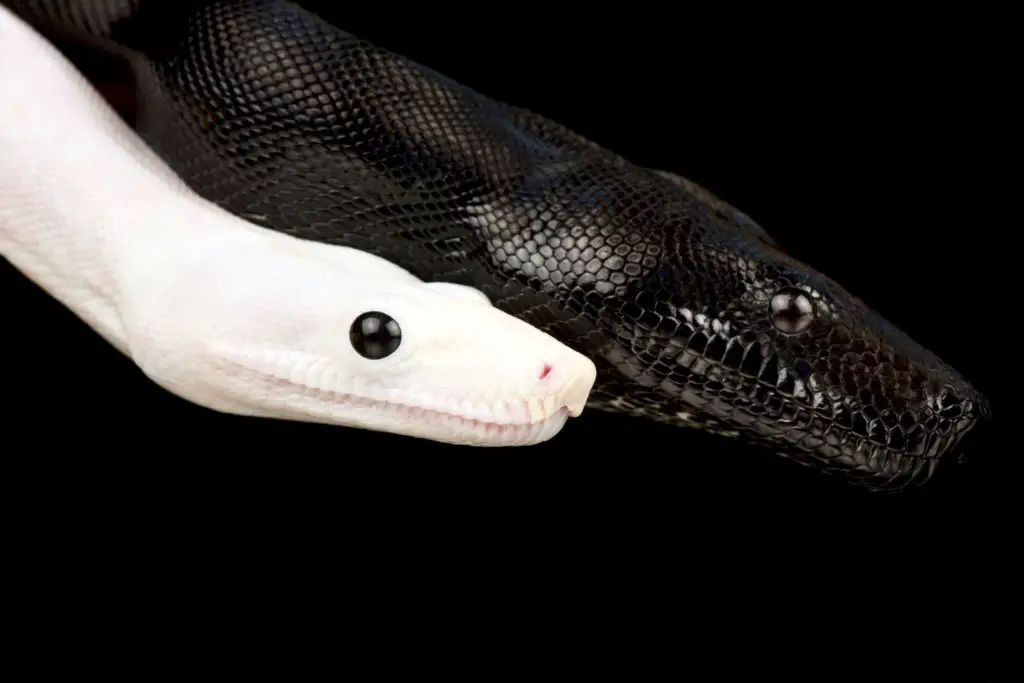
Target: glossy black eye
<point x="792" y="311"/>
<point x="375" y="335"/>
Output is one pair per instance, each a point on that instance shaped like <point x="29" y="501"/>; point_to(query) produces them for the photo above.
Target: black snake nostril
<point x="951" y="407"/>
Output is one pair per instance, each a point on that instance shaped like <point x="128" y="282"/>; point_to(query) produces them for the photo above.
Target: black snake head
<point x="754" y="343"/>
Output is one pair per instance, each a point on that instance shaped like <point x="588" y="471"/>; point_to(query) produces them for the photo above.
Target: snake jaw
<point x="515" y="422"/>
<point x="299" y="388"/>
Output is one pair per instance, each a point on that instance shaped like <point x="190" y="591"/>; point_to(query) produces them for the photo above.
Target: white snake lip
<point x="460" y="429"/>
<point x="420" y="412"/>
<point x="541" y="415"/>
<point x="505" y="432"/>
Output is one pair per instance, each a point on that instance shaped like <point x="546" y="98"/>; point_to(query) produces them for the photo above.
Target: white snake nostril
<point x="545" y="371"/>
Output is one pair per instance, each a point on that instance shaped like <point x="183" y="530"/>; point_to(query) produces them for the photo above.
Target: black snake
<point x="692" y="313"/>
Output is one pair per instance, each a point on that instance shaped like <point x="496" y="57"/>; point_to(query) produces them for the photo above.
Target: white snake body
<point x="239" y="318"/>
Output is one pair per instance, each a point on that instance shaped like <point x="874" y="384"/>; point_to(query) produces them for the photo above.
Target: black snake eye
<point x="375" y="335"/>
<point x="792" y="310"/>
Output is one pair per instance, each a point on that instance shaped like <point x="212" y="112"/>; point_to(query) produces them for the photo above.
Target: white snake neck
<point x="239" y="318"/>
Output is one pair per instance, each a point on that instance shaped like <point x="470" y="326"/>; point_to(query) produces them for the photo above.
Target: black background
<point x="861" y="146"/>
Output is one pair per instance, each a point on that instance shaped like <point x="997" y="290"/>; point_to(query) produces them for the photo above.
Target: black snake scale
<point x="690" y="310"/>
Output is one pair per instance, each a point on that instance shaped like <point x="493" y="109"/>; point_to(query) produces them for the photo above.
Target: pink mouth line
<point x="416" y="412"/>
<point x="428" y="414"/>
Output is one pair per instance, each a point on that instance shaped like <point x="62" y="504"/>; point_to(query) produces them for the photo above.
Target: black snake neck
<point x="269" y="111"/>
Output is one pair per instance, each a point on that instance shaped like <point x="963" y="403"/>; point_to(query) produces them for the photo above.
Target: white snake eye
<point x="375" y="335"/>
<point x="792" y="311"/>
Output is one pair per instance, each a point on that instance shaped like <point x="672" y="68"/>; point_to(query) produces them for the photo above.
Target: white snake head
<point x="316" y="333"/>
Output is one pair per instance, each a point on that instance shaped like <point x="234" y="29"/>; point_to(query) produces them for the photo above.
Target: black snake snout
<point x="900" y="408"/>
<point x="969" y="413"/>
<point x="772" y="349"/>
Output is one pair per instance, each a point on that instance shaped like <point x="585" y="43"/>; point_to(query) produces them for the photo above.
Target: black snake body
<point x="692" y="313"/>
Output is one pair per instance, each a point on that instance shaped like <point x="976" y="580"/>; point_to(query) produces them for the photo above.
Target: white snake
<point x="238" y="318"/>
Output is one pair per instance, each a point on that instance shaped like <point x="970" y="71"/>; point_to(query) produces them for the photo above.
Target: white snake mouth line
<point x="417" y="413"/>
<point x="429" y="415"/>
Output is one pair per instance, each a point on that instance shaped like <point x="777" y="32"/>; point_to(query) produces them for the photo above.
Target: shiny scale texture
<point x="304" y="128"/>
